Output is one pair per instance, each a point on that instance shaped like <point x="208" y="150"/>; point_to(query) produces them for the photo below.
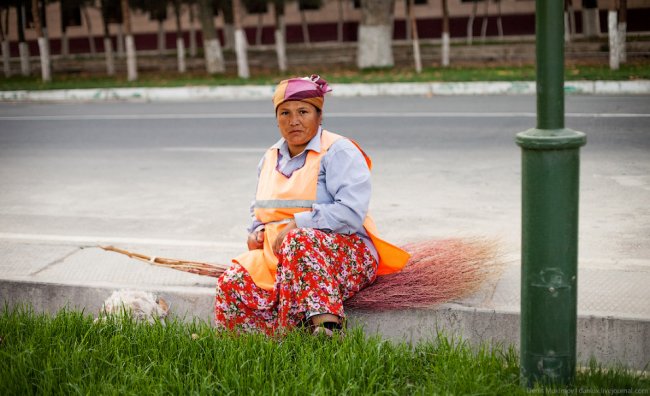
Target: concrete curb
<point x="612" y="341"/>
<point x="638" y="87"/>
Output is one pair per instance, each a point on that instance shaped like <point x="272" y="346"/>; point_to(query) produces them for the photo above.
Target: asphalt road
<point x="183" y="174"/>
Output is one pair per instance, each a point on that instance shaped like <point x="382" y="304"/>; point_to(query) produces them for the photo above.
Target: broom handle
<point x="160" y="260"/>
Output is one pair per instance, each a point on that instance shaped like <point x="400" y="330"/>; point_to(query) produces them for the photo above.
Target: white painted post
<point x="612" y="29"/>
<point x="180" y="49"/>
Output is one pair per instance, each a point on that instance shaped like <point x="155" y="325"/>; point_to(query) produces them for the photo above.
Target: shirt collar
<point x="313" y="145"/>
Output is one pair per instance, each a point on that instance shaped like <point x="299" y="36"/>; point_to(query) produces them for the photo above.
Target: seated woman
<point x="311" y="244"/>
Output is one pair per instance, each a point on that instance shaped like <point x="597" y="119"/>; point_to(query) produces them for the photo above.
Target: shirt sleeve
<point x="347" y="181"/>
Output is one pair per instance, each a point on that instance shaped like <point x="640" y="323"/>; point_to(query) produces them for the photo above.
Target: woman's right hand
<point x="256" y="240"/>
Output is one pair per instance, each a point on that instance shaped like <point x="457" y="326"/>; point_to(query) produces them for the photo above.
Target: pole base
<point x="550" y="139"/>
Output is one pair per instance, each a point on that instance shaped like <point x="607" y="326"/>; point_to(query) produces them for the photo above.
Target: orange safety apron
<point x="279" y="198"/>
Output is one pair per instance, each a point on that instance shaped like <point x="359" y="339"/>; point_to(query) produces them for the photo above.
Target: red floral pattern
<point x="316" y="272"/>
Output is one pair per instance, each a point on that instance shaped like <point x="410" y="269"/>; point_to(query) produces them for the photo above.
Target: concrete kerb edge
<point x="638" y="87"/>
<point x="611" y="341"/>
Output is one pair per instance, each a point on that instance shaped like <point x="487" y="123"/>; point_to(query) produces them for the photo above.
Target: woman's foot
<point x="326" y="324"/>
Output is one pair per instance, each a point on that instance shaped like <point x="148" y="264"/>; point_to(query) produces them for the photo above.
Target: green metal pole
<point x="550" y="184"/>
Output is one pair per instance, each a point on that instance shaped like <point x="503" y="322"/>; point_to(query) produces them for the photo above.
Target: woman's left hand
<point x="280" y="238"/>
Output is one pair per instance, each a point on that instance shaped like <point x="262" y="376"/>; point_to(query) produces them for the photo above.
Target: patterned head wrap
<point x="305" y="89"/>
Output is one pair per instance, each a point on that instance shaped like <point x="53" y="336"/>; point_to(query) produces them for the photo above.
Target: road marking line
<point x="87" y="239"/>
<point x="244" y="116"/>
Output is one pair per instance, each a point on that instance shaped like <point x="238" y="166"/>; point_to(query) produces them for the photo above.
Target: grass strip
<point x="432" y="74"/>
<point x="70" y="354"/>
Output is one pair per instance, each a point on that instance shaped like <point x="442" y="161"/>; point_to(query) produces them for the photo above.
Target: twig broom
<point x="438" y="271"/>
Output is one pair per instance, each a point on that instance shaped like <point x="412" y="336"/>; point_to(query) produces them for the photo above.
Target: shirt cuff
<point x="305" y="220"/>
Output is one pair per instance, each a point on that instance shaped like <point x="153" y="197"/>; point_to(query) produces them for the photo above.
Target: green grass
<point x="69" y="354"/>
<point x="169" y="79"/>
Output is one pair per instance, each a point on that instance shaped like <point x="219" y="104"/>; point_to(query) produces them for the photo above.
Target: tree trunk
<point x="89" y="27"/>
<point x="280" y="41"/>
<point x="590" y="19"/>
<point x="258" y="29"/>
<point x="305" y="28"/>
<point x="375" y="35"/>
<point x="470" y="23"/>
<point x="65" y="43"/>
<point x="415" y="39"/>
<point x="180" y="43"/>
<point x="161" y="38"/>
<point x="445" y="34"/>
<point x="110" y="58"/>
<point x="192" y="32"/>
<point x="569" y="21"/>
<point x="120" y="40"/>
<point x="484" y="24"/>
<point x="240" y="41"/>
<point x="499" y="21"/>
<point x="46" y="73"/>
<point x="612" y="29"/>
<point x="407" y="25"/>
<point x="211" y="46"/>
<point x="108" y="49"/>
<point x="131" y="60"/>
<point x="228" y="27"/>
<point x="23" y="48"/>
<point x="622" y="30"/>
<point x="6" y="65"/>
<point x="339" y="26"/>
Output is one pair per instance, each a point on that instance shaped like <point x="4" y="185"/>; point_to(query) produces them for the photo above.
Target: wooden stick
<point x="195" y="267"/>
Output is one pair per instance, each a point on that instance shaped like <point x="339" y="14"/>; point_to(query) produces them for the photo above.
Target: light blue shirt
<point x="342" y="193"/>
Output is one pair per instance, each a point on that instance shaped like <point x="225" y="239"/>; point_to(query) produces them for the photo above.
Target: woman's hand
<point x="280" y="238"/>
<point x="256" y="240"/>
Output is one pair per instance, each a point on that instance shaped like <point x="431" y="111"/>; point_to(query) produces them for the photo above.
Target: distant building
<point x="334" y="20"/>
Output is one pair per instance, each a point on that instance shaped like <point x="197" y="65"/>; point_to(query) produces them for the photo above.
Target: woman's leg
<point x="240" y="304"/>
<point x="317" y="272"/>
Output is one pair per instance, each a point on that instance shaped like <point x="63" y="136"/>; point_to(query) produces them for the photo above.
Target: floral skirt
<point x="316" y="272"/>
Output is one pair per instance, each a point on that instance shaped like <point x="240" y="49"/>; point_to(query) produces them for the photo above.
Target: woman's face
<point x="298" y="123"/>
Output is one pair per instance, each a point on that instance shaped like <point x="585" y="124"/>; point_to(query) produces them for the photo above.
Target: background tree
<point x="225" y="7"/>
<point x="180" y="43"/>
<point x="445" y="33"/>
<point x="259" y="8"/>
<point x="84" y="6"/>
<point x="590" y="19"/>
<point x="569" y="21"/>
<point x="23" y="48"/>
<point x="415" y="40"/>
<point x="191" y="5"/>
<point x="131" y="60"/>
<point x="340" y="22"/>
<point x="470" y="22"/>
<point x="43" y="47"/>
<point x="484" y="23"/>
<point x="111" y="11"/>
<point x="280" y="34"/>
<point x="499" y="20"/>
<point x="211" y="46"/>
<point x="375" y="35"/>
<point x="70" y="16"/>
<point x="622" y="30"/>
<point x="240" y="40"/>
<point x="304" y="6"/>
<point x="4" y="33"/>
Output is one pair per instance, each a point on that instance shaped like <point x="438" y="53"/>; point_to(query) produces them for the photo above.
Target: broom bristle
<point x="438" y="271"/>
